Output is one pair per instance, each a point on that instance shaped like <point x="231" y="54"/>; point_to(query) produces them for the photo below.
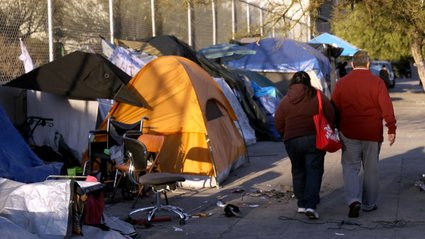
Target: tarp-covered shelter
<point x="67" y="90"/>
<point x="349" y="49"/>
<point x="266" y="94"/>
<point x="260" y="80"/>
<point x="202" y="142"/>
<point x="81" y="76"/>
<point x="17" y="161"/>
<point x="286" y="56"/>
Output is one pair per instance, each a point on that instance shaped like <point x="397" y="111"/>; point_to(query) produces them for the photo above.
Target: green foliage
<point x="372" y="27"/>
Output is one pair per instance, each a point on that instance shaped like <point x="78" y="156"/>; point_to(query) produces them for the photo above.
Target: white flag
<point x="25" y="57"/>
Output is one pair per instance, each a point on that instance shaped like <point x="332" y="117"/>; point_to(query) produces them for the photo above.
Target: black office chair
<point x="153" y="144"/>
<point x="160" y="182"/>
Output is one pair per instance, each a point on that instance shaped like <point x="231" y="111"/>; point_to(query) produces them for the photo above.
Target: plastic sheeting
<point x="43" y="210"/>
<point x="130" y="62"/>
<point x="40" y="208"/>
<point x="10" y="230"/>
<point x="268" y="97"/>
<point x="17" y="161"/>
<point x="268" y="101"/>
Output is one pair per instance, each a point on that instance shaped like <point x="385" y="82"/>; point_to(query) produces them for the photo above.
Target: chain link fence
<point x="76" y="25"/>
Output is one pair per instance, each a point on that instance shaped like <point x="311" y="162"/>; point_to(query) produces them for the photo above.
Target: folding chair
<point x="99" y="150"/>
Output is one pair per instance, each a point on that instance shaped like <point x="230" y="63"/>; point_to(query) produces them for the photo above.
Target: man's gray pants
<point x="360" y="171"/>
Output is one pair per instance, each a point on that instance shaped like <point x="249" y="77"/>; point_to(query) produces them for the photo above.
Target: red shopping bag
<point x="327" y="137"/>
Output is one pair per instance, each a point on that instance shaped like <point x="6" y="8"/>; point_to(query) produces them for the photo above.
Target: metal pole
<point x="233" y="20"/>
<point x="309" y="27"/>
<point x="215" y="177"/>
<point x="214" y="22"/>
<point x="189" y="24"/>
<point x="111" y="20"/>
<point x="153" y="17"/>
<point x="261" y="22"/>
<point x="248" y="23"/>
<point x="50" y="28"/>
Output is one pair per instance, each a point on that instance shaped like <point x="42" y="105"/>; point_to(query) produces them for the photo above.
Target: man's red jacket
<point x="363" y="102"/>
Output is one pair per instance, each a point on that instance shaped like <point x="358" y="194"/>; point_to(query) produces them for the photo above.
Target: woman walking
<point x="294" y="121"/>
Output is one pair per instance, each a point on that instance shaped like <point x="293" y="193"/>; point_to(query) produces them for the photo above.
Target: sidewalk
<point x="262" y="191"/>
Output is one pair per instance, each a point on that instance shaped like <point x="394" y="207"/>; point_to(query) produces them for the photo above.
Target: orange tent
<point x="186" y="104"/>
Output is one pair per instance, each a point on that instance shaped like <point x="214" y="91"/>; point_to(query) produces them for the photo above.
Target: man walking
<point x="383" y="73"/>
<point x="363" y="102"/>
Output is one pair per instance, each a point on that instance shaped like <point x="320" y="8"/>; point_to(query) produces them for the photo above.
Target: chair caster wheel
<point x="129" y="220"/>
<point x="182" y="221"/>
<point x="148" y="224"/>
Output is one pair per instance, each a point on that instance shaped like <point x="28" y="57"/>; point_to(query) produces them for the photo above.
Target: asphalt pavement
<point x="262" y="190"/>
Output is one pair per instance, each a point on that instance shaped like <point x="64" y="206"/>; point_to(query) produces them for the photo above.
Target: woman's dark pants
<point x="307" y="169"/>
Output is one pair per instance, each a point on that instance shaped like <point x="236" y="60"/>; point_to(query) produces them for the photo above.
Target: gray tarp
<point x="40" y="208"/>
<point x="43" y="210"/>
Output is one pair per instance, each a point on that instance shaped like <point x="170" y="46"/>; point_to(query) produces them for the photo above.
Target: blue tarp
<point x="17" y="161"/>
<point x="260" y="80"/>
<point x="266" y="95"/>
<point x="268" y="101"/>
<point x="349" y="49"/>
<point x="283" y="55"/>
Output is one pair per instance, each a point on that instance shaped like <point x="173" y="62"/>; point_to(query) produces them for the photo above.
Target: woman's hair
<point x="301" y="77"/>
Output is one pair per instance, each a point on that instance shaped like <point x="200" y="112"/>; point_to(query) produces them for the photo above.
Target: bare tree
<point x="285" y="16"/>
<point x="78" y="24"/>
<point x="19" y="20"/>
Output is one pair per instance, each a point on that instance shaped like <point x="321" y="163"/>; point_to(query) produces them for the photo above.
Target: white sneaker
<point x="311" y="213"/>
<point x="301" y="210"/>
